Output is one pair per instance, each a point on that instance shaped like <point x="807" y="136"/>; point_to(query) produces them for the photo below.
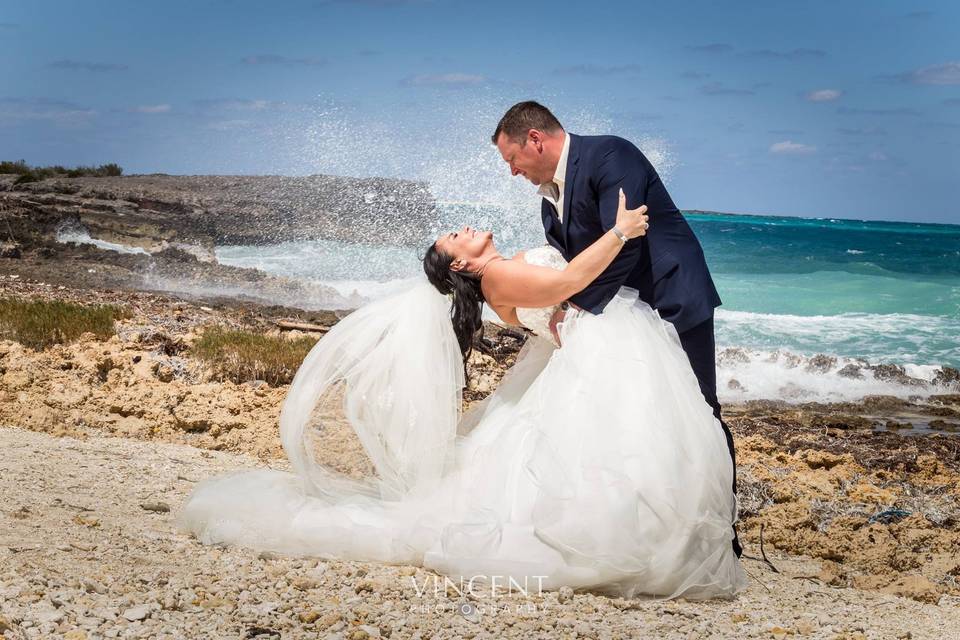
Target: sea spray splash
<point x="448" y="149"/>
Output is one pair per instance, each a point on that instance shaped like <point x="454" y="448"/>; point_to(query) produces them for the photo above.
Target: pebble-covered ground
<point x="88" y="549"/>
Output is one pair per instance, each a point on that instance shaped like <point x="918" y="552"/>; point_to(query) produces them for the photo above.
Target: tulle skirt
<point x="598" y="465"/>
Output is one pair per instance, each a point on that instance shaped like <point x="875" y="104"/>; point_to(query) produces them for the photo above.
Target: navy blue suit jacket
<point x="666" y="265"/>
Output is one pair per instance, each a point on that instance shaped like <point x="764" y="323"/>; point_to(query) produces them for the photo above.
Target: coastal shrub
<point x="32" y="174"/>
<point x="26" y="177"/>
<point x="39" y="324"/>
<point x="20" y="167"/>
<point x="244" y="356"/>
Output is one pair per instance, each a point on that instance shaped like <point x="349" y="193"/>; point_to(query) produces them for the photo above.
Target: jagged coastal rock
<point x="156" y="211"/>
<point x="161" y="230"/>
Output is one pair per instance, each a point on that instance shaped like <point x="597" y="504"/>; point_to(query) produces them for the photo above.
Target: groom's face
<point x="527" y="159"/>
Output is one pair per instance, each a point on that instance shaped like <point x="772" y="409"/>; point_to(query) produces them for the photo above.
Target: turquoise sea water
<point x="877" y="290"/>
<point x="792" y="288"/>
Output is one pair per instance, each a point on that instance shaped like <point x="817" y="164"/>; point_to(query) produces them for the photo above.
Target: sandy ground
<point x="88" y="549"/>
<point x="111" y="428"/>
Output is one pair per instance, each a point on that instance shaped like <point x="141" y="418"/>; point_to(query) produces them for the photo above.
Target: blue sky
<point x="823" y="109"/>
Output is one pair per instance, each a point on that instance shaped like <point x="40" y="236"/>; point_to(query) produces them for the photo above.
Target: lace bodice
<point x="538" y="320"/>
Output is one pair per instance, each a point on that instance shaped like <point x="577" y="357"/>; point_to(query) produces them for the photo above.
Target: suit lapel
<point x="573" y="161"/>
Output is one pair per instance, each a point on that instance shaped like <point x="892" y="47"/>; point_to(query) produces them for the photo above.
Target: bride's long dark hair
<point x="464" y="288"/>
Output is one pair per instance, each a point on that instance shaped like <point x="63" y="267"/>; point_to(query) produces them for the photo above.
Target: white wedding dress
<point x="597" y="465"/>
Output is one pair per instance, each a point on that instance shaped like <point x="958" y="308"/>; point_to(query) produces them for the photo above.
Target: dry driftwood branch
<point x="288" y="325"/>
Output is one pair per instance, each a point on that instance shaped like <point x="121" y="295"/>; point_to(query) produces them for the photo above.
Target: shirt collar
<point x="560" y="175"/>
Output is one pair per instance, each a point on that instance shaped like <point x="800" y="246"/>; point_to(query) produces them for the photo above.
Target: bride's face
<point x="466" y="244"/>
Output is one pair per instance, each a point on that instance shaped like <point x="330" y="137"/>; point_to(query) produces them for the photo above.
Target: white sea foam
<point x="79" y="235"/>
<point x="369" y="289"/>
<point x="308" y="296"/>
<point x="750" y="374"/>
<point x="896" y="337"/>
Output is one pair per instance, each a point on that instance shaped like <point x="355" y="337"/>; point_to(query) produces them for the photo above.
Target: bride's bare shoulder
<point x="498" y="275"/>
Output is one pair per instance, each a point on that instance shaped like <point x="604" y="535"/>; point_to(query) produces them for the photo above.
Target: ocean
<point x="793" y="289"/>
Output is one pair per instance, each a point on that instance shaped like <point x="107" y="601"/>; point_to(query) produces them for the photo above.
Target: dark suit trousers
<point x="700" y="346"/>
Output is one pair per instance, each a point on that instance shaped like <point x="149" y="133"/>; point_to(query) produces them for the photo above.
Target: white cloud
<point x="60" y="113"/>
<point x="788" y="147"/>
<point x="229" y="125"/>
<point x="83" y="65"/>
<point x="878" y="156"/>
<point x="946" y="73"/>
<point x="153" y="108"/>
<point x="824" y="95"/>
<point x="237" y="105"/>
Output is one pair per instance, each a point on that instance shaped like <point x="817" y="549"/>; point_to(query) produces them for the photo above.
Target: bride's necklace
<point x="484" y="265"/>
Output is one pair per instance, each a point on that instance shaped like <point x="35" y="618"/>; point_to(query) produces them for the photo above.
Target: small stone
<point x="137" y="613"/>
<point x="5" y="625"/>
<point x="327" y="620"/>
<point x="170" y="602"/>
<point x="365" y="585"/>
<point x="76" y="634"/>
<point x="308" y="616"/>
<point x="850" y="371"/>
<point x="947" y="376"/>
<point x="157" y="507"/>
<point x="947" y="600"/>
<point x="806" y="627"/>
<point x="92" y="586"/>
<point x="821" y="363"/>
<point x="564" y="595"/>
<point x="305" y="583"/>
<point x="739" y="617"/>
<point x="10" y="250"/>
<point x="49" y="615"/>
<point x="86" y="522"/>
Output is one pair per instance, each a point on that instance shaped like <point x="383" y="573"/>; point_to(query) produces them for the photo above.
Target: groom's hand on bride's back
<point x="557" y="318"/>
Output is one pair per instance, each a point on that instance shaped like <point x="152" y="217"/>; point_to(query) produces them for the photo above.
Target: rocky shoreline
<point x="157" y="211"/>
<point x="163" y="229"/>
<point x="847" y="511"/>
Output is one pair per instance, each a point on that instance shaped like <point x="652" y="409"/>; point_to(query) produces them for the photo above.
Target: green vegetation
<point x="242" y="356"/>
<point x="32" y="174"/>
<point x="39" y="324"/>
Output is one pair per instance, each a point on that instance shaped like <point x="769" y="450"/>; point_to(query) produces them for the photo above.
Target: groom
<point x="579" y="178"/>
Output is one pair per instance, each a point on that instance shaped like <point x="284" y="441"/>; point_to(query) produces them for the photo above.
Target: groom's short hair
<point x="522" y="117"/>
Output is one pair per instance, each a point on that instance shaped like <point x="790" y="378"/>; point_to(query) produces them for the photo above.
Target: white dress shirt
<point x="553" y="191"/>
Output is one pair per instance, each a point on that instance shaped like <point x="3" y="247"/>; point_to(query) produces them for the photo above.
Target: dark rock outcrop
<point x="155" y="211"/>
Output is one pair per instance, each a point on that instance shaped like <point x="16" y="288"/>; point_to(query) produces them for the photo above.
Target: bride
<point x="596" y="464"/>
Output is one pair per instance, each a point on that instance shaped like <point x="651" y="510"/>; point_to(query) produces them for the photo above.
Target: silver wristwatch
<point x="619" y="234"/>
